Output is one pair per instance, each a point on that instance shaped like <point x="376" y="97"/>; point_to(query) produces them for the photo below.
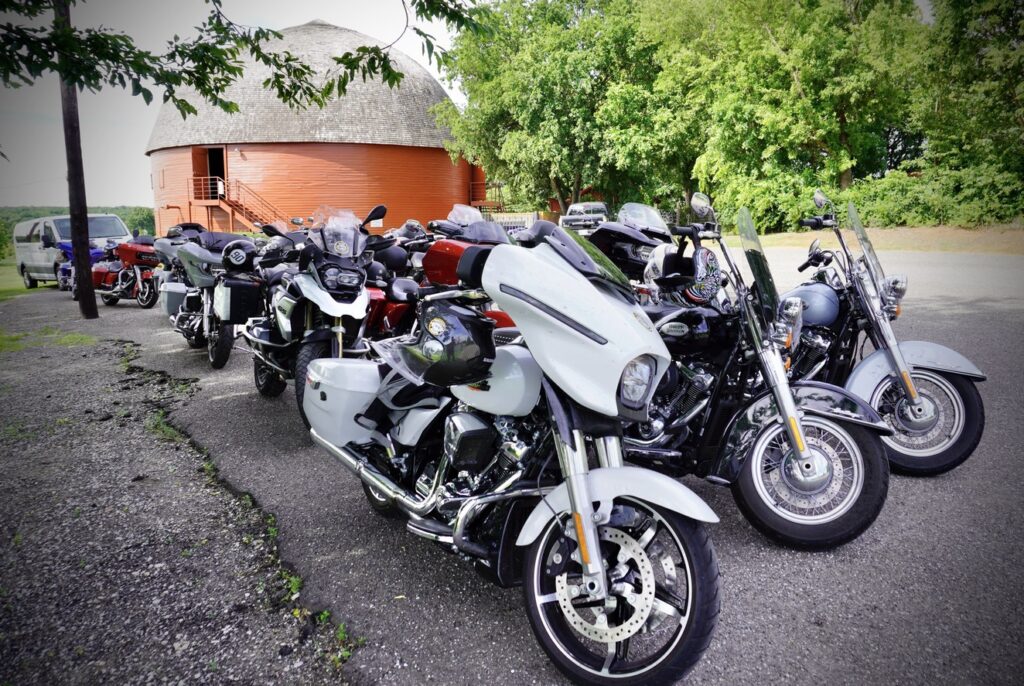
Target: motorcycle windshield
<point x="867" y="250"/>
<point x="340" y="232"/>
<point x="764" y="284"/>
<point x="636" y="214"/>
<point x="464" y="215"/>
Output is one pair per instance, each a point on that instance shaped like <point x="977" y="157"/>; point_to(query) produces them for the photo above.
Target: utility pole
<point x="77" y="205"/>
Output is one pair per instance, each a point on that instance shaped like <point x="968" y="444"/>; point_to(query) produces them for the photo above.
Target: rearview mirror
<point x="297" y="221"/>
<point x="376" y="213"/>
<point x="135" y="233"/>
<point x="820" y="199"/>
<point x="815" y="244"/>
<point x="701" y="205"/>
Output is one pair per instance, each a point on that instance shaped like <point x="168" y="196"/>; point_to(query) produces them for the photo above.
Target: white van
<point x="37" y="243"/>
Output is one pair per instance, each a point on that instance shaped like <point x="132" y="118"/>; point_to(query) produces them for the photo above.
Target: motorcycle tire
<point x="110" y="300"/>
<point x="960" y="404"/>
<point x="219" y="349"/>
<point x="788" y="516"/>
<point x="574" y="653"/>
<point x="268" y="382"/>
<point x="196" y="343"/>
<point x="307" y="353"/>
<point x="148" y="294"/>
<point x="379" y="503"/>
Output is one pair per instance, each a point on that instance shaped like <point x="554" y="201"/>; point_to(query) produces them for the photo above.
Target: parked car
<point x="584" y="215"/>
<point x="36" y="243"/>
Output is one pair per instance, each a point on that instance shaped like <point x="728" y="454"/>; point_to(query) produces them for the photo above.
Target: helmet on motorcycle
<point x="394" y="258"/>
<point x="411" y="229"/>
<point x="699" y="276"/>
<point x="238" y="256"/>
<point x="454" y="345"/>
<point x="375" y="271"/>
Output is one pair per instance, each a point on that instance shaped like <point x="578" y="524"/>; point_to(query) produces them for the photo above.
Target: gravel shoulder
<point x="122" y="558"/>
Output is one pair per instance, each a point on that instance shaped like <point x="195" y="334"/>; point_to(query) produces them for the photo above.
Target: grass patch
<point x="46" y="336"/>
<point x="10" y="280"/>
<point x="158" y="425"/>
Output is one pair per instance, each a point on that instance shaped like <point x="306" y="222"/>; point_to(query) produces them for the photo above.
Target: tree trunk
<point x="576" y="189"/>
<point x="557" y="191"/>
<point x="78" y="209"/>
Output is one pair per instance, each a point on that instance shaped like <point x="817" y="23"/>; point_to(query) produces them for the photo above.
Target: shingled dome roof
<point x="370" y="112"/>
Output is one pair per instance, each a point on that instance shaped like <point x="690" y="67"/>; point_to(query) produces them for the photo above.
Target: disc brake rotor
<point x="593" y="622"/>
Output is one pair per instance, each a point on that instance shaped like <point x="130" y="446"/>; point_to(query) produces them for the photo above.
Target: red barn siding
<point x="416" y="183"/>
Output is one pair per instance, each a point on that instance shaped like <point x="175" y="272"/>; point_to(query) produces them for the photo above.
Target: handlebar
<point x="817" y="223"/>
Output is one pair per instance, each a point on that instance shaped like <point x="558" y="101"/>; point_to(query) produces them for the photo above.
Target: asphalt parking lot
<point x="930" y="594"/>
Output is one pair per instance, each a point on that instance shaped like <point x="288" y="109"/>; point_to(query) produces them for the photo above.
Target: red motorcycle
<point x="126" y="271"/>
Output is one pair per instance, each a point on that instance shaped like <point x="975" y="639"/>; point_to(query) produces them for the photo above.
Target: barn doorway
<point x="215" y="162"/>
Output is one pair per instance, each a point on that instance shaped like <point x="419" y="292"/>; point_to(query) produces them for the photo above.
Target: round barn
<point x="373" y="145"/>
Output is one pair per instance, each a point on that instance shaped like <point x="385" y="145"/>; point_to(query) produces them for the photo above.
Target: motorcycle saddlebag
<point x="338" y="391"/>
<point x="236" y="300"/>
<point x="172" y="294"/>
<point x="104" y="274"/>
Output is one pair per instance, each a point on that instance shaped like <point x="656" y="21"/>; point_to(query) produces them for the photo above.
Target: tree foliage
<point x="754" y="101"/>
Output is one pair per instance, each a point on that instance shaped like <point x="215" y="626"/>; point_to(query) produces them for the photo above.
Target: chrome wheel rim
<point x="828" y="441"/>
<point x="949" y="409"/>
<point x="650" y="598"/>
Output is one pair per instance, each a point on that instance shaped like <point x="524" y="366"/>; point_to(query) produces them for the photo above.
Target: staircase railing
<point x="246" y="202"/>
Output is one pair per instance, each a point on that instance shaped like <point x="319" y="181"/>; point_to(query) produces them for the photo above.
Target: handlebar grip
<point x="804" y="266"/>
<point x="812" y="223"/>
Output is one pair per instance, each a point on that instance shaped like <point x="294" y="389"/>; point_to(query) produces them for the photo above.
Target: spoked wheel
<point x="218" y="346"/>
<point x="268" y="381"/>
<point x="662" y="605"/>
<point x="837" y="504"/>
<point x="942" y="434"/>
<point x="148" y="294"/>
<point x="110" y="300"/>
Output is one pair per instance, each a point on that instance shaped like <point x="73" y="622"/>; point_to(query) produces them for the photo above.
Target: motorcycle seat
<point x="275" y="274"/>
<point x="403" y="290"/>
<point x="505" y="335"/>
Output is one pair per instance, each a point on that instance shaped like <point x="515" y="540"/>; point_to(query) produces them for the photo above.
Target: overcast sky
<point x="116" y="126"/>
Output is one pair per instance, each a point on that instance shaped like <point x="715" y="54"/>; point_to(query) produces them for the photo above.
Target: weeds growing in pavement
<point x="158" y="425"/>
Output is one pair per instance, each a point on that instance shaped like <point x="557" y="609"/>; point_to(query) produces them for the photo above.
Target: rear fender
<point x="311" y="290"/>
<point x="811" y="397"/>
<point x="606" y="484"/>
<point x="920" y="355"/>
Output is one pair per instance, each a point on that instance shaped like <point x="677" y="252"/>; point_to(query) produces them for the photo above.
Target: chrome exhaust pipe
<point x="373" y="477"/>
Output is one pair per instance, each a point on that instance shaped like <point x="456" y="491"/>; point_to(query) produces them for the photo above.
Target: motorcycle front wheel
<point x="218" y="347"/>
<point x="148" y="294"/>
<point x="268" y="382"/>
<point x="819" y="514"/>
<point x="942" y="443"/>
<point x="662" y="605"/>
<point x="307" y="353"/>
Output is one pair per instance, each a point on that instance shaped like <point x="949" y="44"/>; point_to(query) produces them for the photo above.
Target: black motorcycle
<point x="629" y="241"/>
<point x="924" y="391"/>
<point x="804" y="461"/>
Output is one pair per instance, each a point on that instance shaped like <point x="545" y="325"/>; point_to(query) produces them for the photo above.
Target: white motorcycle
<point x="486" y="448"/>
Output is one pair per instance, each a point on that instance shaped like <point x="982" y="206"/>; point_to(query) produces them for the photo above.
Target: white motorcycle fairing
<point x="328" y="305"/>
<point x="513" y="387"/>
<point x="581" y="336"/>
<point x="606" y="484"/>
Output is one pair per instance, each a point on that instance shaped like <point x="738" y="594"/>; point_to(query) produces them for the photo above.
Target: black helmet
<point x="238" y="256"/>
<point x="394" y="258"/>
<point x="375" y="271"/>
<point x="454" y="345"/>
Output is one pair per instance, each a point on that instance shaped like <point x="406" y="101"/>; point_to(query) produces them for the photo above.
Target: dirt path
<point x="123" y="559"/>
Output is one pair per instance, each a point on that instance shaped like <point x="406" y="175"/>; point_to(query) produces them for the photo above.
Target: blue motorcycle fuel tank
<point x="821" y="304"/>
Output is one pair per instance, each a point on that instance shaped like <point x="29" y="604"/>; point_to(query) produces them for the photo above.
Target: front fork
<point x="886" y="339"/>
<point x="572" y="458"/>
<point x="775" y="376"/>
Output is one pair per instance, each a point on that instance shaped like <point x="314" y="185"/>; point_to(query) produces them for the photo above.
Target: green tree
<point x="206" y="63"/>
<point x="534" y="84"/>
<point x="140" y="219"/>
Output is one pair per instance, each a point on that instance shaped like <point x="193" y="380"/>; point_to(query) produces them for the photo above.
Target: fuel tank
<point x="687" y="330"/>
<point x="821" y="304"/>
<point x="441" y="260"/>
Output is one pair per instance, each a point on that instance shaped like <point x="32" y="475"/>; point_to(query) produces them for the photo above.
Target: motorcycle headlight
<point x="791" y="320"/>
<point x="334" y="278"/>
<point x="895" y="287"/>
<point x="635" y="385"/>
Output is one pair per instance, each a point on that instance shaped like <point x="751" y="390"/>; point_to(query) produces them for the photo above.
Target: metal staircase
<point x="237" y="199"/>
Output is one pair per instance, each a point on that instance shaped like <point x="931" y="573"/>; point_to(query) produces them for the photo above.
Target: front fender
<point x="811" y="397"/>
<point x="919" y="354"/>
<point x="612" y="482"/>
<point x="310" y="290"/>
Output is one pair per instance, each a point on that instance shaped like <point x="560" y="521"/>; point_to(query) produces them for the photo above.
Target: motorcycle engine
<point x="683" y="387"/>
